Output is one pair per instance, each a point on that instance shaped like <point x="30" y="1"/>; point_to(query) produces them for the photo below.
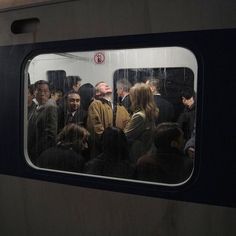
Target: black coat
<point x="31" y="110"/>
<point x="42" y="130"/>
<point x="170" y="167"/>
<point x="65" y="117"/>
<point x="60" y="158"/>
<point x="186" y="121"/>
<point x="166" y="109"/>
<point x="105" y="166"/>
<point x="126" y="103"/>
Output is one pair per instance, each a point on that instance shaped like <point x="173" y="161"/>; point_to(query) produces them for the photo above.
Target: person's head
<point x="168" y="135"/>
<point x="114" y="143"/>
<point x="74" y="82"/>
<point x="31" y="94"/>
<point x="123" y="86"/>
<point x="42" y="92"/>
<point x="154" y="84"/>
<point x="73" y="136"/>
<point x="187" y="97"/>
<point x="103" y="89"/>
<point x="73" y="101"/>
<point x="141" y="98"/>
<point x="87" y="93"/>
<point x="56" y="94"/>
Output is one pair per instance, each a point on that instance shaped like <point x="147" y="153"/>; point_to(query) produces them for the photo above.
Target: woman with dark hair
<point x="87" y="93"/>
<point x="140" y="128"/>
<point x="114" y="160"/>
<point x="67" y="154"/>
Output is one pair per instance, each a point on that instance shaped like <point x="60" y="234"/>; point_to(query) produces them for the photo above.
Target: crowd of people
<point x="137" y="137"/>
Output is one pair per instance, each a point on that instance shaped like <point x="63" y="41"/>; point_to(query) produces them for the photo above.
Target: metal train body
<point x="45" y="202"/>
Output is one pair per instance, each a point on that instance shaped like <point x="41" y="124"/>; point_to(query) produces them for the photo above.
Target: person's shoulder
<point x="121" y="108"/>
<point x="146" y="159"/>
<point x="48" y="153"/>
<point x="50" y="107"/>
<point x="95" y="102"/>
<point x="163" y="100"/>
<point x="139" y="114"/>
<point x="95" y="165"/>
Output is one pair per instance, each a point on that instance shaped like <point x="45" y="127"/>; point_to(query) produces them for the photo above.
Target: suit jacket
<point x="126" y="103"/>
<point x="42" y="130"/>
<point x="166" y="109"/>
<point x="186" y="121"/>
<point x="31" y="110"/>
<point x="65" y="117"/>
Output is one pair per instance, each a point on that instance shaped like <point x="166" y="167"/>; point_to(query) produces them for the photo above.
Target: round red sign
<point x="99" y="58"/>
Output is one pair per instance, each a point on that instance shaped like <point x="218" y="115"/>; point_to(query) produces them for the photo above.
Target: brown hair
<point x="73" y="136"/>
<point x="142" y="99"/>
<point x="165" y="133"/>
<point x="155" y="82"/>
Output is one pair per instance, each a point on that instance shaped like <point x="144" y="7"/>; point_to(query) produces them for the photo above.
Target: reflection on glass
<point x="100" y="119"/>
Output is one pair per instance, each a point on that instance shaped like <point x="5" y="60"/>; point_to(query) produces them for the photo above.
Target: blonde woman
<point x="140" y="128"/>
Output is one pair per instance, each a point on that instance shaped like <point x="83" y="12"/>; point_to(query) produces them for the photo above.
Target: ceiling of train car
<point x="13" y="4"/>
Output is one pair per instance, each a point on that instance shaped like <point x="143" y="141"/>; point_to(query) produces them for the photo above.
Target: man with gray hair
<point x="166" y="109"/>
<point x="122" y="87"/>
<point x="102" y="113"/>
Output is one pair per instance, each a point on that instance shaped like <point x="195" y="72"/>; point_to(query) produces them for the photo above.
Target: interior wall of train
<point x="87" y="66"/>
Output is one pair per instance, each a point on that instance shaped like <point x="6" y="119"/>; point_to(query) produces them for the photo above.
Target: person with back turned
<point x="166" y="109"/>
<point x="168" y="164"/>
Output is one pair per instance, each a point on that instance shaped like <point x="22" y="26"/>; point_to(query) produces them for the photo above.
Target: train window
<point x="127" y="114"/>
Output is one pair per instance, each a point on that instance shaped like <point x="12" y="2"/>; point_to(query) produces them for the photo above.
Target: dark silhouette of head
<point x="73" y="136"/>
<point x="73" y="83"/>
<point x="115" y="144"/>
<point x="168" y="135"/>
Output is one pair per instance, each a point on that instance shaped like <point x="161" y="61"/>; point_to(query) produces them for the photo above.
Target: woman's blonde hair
<point x="142" y="99"/>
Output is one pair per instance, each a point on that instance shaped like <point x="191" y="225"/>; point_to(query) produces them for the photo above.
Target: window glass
<point x="128" y="114"/>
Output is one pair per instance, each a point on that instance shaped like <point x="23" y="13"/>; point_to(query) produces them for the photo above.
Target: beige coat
<point x="100" y="116"/>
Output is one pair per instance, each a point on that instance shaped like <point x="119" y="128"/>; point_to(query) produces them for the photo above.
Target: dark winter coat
<point x="169" y="166"/>
<point x="61" y="158"/>
<point x="105" y="166"/>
